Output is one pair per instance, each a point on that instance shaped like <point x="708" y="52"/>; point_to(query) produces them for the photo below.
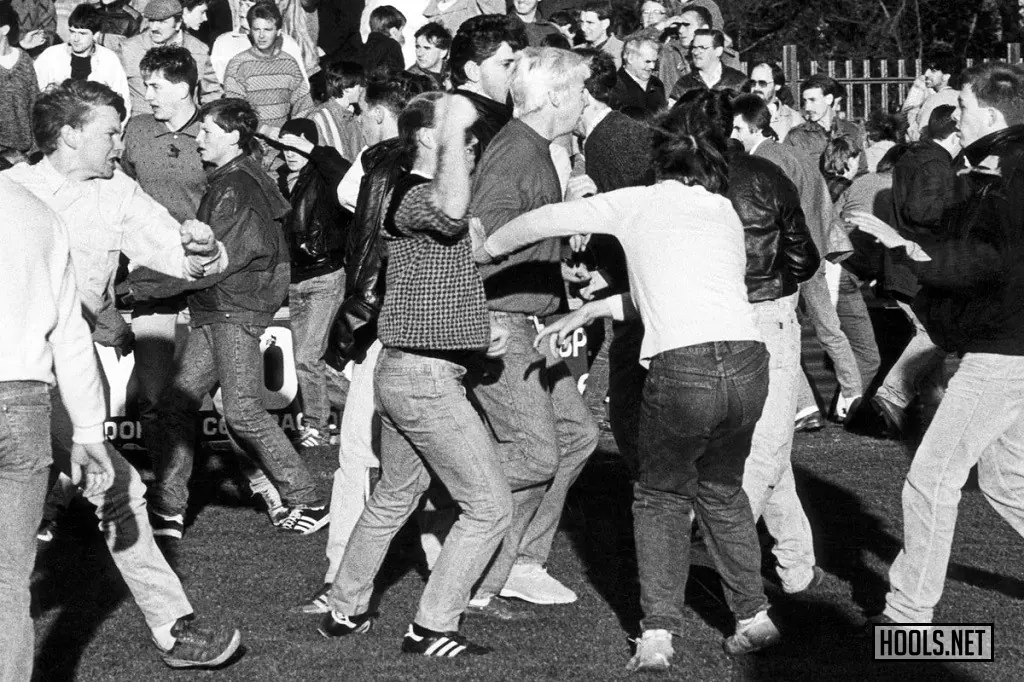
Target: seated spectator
<point x="637" y="87"/>
<point x="432" y="44"/>
<point x="383" y="48"/>
<point x="82" y="58"/>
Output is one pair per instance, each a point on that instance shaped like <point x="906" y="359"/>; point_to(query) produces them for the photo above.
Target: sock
<point x="163" y="637"/>
<point x="480" y="600"/>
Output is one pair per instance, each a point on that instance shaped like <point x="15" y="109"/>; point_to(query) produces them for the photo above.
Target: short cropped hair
<point x="603" y="10"/>
<point x="838" y="152"/>
<point x="702" y="12"/>
<point x="1000" y="86"/>
<point x="174" y="62"/>
<point x="717" y="37"/>
<point x="268" y="11"/>
<point x="87" y="17"/>
<point x="754" y="112"/>
<point x="883" y="125"/>
<point x="435" y="34"/>
<point x="71" y="103"/>
<point x="341" y="76"/>
<point x="390" y="92"/>
<point x="603" y="74"/>
<point x="192" y="4"/>
<point x="385" y="18"/>
<point x="476" y="41"/>
<point x="417" y="114"/>
<point x="827" y="85"/>
<point x="941" y="124"/>
<point x="234" y="114"/>
<point x="635" y="44"/>
<point x="538" y="71"/>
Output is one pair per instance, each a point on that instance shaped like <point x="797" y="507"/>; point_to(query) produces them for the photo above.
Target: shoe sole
<point x="236" y="641"/>
<point x="506" y="592"/>
<point x="754" y="645"/>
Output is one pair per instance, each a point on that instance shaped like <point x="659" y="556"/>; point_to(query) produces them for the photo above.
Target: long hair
<point x="687" y="149"/>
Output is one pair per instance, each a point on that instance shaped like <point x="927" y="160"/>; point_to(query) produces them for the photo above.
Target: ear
<point x="71" y="137"/>
<point x="426" y="137"/>
<point x="606" y="24"/>
<point x="233" y="137"/>
<point x="4" y="30"/>
<point x="472" y="70"/>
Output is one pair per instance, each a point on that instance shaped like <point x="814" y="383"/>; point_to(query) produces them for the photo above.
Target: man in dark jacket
<point x="316" y="231"/>
<point x="780" y="255"/>
<point x="709" y="73"/>
<point x="972" y="303"/>
<point x="229" y="316"/>
<point x="638" y="92"/>
<point x="479" y="62"/>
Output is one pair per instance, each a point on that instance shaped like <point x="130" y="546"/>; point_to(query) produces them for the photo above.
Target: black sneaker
<point x="170" y="547"/>
<point x="167" y="526"/>
<point x="304" y="521"/>
<point x="420" y="640"/>
<point x="336" y="625"/>
<point x="197" y="647"/>
<point x="46" y="530"/>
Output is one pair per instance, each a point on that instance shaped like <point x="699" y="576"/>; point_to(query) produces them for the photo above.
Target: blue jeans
<point x="427" y="421"/>
<point x="855" y="323"/>
<point x="825" y="320"/>
<point x="626" y="387"/>
<point x="24" y="470"/>
<point x="544" y="432"/>
<point x="700" y="406"/>
<point x="312" y="305"/>
<point x="980" y="421"/>
<point x="920" y="369"/>
<point x="228" y="354"/>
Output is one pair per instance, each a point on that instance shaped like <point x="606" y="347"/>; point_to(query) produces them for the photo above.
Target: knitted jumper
<point x="272" y="84"/>
<point x="18" y="92"/>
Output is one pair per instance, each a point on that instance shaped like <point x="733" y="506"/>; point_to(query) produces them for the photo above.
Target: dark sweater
<point x="381" y="53"/>
<point x="628" y="96"/>
<point x="18" y="91"/>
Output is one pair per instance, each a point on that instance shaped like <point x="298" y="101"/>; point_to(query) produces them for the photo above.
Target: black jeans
<point x="700" y="406"/>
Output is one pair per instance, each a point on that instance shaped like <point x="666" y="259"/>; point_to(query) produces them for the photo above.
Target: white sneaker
<point x="752" y="634"/>
<point x="531" y="582"/>
<point x="653" y="652"/>
<point x="843" y="406"/>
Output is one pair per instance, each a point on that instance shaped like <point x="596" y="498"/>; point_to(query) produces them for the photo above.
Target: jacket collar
<point x="995" y="144"/>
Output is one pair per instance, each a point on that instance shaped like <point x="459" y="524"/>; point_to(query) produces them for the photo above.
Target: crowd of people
<point x="437" y="233"/>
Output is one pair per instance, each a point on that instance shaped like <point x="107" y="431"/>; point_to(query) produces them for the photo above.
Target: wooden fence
<point x="869" y="83"/>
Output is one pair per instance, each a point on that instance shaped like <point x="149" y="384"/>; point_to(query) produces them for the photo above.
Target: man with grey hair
<point x="544" y="431"/>
<point x="638" y="91"/>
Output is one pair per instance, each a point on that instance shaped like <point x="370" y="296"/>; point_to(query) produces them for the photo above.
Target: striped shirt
<point x="271" y="83"/>
<point x="338" y="128"/>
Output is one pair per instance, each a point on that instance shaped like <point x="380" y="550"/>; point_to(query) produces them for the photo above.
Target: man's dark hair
<point x="174" y="62"/>
<point x="717" y="37"/>
<point x="702" y="12"/>
<point x="708" y="114"/>
<point x="385" y="18"/>
<point x="391" y="92"/>
<point x="417" y="114"/>
<point x="563" y="18"/>
<point x="416" y="83"/>
<point x="341" y="76"/>
<point x="941" y="123"/>
<point x="556" y="40"/>
<point x="71" y="103"/>
<point x="943" y="59"/>
<point x="268" y="11"/>
<point x="685" y="147"/>
<point x="1000" y="86"/>
<point x="754" y="112"/>
<point x="603" y="10"/>
<point x="477" y="40"/>
<point x="827" y="85"/>
<point x="233" y="114"/>
<point x="192" y="4"/>
<point x="8" y="17"/>
<point x="435" y="34"/>
<point x="778" y="75"/>
<point x="87" y="17"/>
<point x="838" y="152"/>
<point x="883" y="125"/>
<point x="891" y="157"/>
<point x="603" y="74"/>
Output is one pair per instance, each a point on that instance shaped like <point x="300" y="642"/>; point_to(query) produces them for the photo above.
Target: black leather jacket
<point x="318" y="226"/>
<point x="355" y="326"/>
<point x="780" y="251"/>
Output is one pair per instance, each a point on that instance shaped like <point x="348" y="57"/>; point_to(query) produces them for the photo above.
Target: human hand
<point x="579" y="187"/>
<point x="32" y="39"/>
<point x="499" y="340"/>
<point x="91" y="468"/>
<point x="578" y="242"/>
<point x="877" y="228"/>
<point x="556" y="333"/>
<point x="197" y="239"/>
<point x="455" y="111"/>
<point x="296" y="142"/>
<point x="575" y="274"/>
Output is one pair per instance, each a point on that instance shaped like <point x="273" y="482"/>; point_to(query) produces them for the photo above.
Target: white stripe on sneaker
<point x="432" y="649"/>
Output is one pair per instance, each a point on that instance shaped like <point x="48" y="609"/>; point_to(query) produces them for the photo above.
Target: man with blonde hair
<point x="544" y="432"/>
<point x="638" y="91"/>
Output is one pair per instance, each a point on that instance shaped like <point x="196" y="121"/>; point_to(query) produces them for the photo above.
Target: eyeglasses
<point x="701" y="48"/>
<point x="763" y="84"/>
<point x="653" y="13"/>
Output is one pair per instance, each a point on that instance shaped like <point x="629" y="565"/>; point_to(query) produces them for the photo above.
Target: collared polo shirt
<point x="166" y="163"/>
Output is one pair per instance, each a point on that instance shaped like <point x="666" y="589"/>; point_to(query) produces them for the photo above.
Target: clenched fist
<point x="197" y="239"/>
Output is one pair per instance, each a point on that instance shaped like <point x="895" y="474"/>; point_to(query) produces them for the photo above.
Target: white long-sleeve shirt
<point x="685" y="254"/>
<point x="43" y="336"/>
<point x="54" y="66"/>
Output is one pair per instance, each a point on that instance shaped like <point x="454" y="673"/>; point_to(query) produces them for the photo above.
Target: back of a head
<point x="417" y="114"/>
<point x="539" y="71"/>
<point x="754" y="111"/>
<point x="839" y="150"/>
<point x="891" y="157"/>
<point x="684" y="148"/>
<point x="708" y="113"/>
<point x="9" y="18"/>
<point x="385" y="18"/>
<point x="941" y="123"/>
<point x="86" y="16"/>
<point x="998" y="85"/>
<point x="342" y="75"/>
<point x="390" y="93"/>
<point x="883" y="125"/>
<point x="556" y="40"/>
<point x="417" y="83"/>
<point x="233" y="114"/>
<point x="603" y="74"/>
<point x="70" y="104"/>
<point x="478" y="39"/>
<point x="175" y="63"/>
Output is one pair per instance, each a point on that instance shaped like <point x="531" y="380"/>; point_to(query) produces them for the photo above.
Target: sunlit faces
<point x="703" y="52"/>
<point x="494" y="73"/>
<point x="571" y="103"/>
<point x="98" y="143"/>
<point x="525" y="7"/>
<point x="688" y="25"/>
<point x="816" y="104"/>
<point x="216" y="145"/>
<point x="934" y="78"/>
<point x="741" y="131"/>
<point x="164" y="30"/>
<point x="641" y="62"/>
<point x="81" y="41"/>
<point x="593" y="28"/>
<point x="294" y="160"/>
<point x="429" y="57"/>
<point x="652" y="12"/>
<point x="164" y="97"/>
<point x="763" y="83"/>
<point x="194" y="18"/>
<point x="973" y="120"/>
<point x="263" y="33"/>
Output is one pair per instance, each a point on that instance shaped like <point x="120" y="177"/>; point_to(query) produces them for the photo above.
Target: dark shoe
<point x="170" y="547"/>
<point x="336" y="625"/>
<point x="197" y="647"/>
<point x="895" y="417"/>
<point x="306" y="520"/>
<point x="46" y="530"/>
<point x="317" y="603"/>
<point x="811" y="422"/>
<point x="498" y="609"/>
<point x="419" y="640"/>
<point x="817" y="579"/>
<point x="167" y="526"/>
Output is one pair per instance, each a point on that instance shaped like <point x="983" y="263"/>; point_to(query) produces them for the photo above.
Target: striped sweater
<point x="272" y="83"/>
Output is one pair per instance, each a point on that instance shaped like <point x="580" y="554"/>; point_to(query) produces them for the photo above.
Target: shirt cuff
<point x="86" y="435"/>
